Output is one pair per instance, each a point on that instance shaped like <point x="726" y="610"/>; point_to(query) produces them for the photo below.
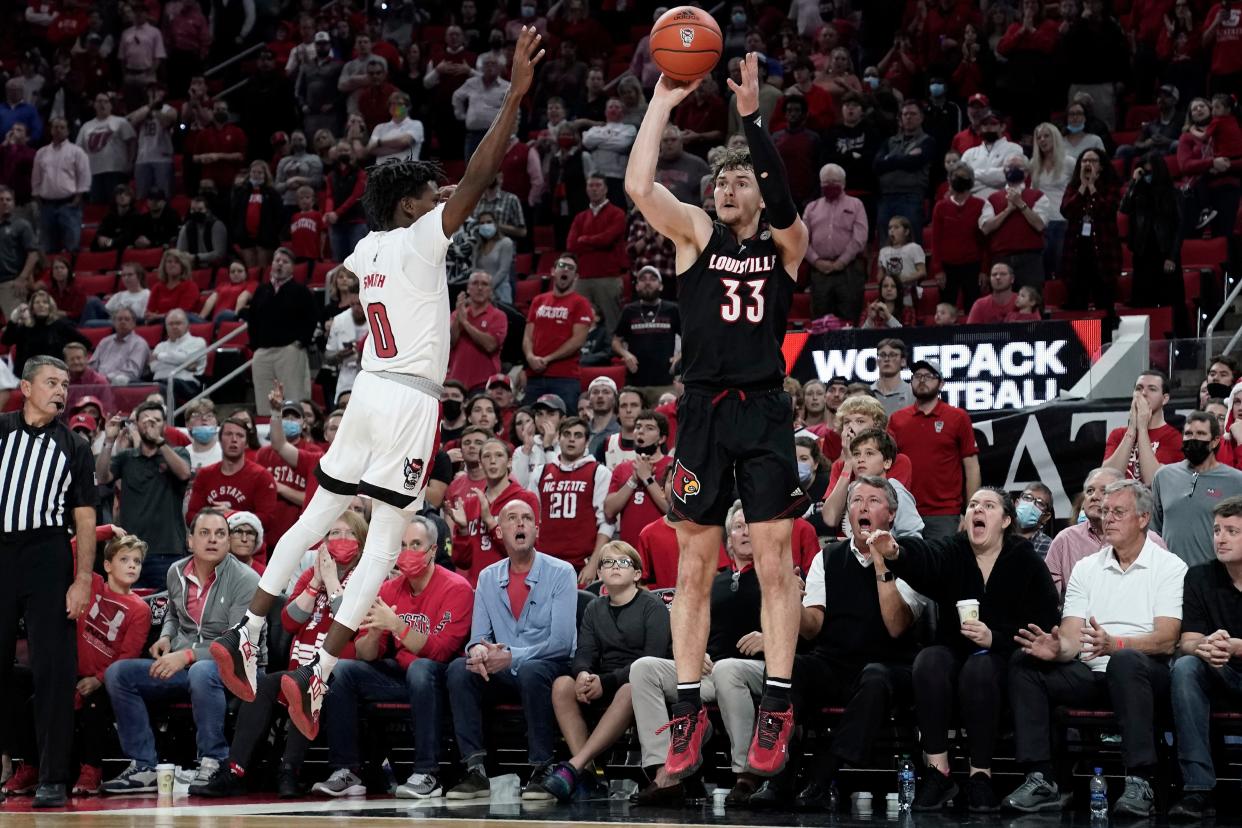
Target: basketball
<point x="685" y="43"/>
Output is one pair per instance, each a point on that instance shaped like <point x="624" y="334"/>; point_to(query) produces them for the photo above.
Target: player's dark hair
<point x="387" y="184"/>
<point x="733" y="159"/>
<point x="883" y="443"/>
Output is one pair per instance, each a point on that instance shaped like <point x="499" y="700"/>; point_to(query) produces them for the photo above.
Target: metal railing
<point x="1220" y="314"/>
<point x="195" y="357"/>
<point x="224" y="64"/>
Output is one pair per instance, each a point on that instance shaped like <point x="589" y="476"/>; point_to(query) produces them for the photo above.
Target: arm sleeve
<point x="770" y="172"/>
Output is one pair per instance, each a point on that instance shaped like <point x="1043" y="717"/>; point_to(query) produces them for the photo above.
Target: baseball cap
<point x="323" y="37"/>
<point x="500" y="379"/>
<point x="82" y="421"/>
<point x="83" y="402"/>
<point x="1171" y="91"/>
<point x="551" y="402"/>
<point x="978" y="99"/>
<point x="930" y="364"/>
<point x="291" y="405"/>
<point x="605" y="381"/>
<point x="654" y="271"/>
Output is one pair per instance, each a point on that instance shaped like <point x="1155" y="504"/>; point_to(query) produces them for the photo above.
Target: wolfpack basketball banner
<point x="988" y="369"/>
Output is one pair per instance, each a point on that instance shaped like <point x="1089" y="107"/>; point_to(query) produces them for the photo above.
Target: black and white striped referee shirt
<point x="45" y="473"/>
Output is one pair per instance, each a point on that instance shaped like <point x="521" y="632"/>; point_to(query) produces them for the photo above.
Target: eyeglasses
<point x="616" y="563"/>
<point x="888" y="355"/>
<point x="1117" y="513"/>
<point x="924" y="376"/>
<point x="245" y="531"/>
<point x="1030" y="498"/>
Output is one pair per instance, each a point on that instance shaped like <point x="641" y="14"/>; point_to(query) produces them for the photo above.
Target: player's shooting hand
<point x="673" y="91"/>
<point x="747" y="92"/>
<point x="526" y="55"/>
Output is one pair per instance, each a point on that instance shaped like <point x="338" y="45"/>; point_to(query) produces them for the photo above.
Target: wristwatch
<point x="885" y="577"/>
<point x="649" y="481"/>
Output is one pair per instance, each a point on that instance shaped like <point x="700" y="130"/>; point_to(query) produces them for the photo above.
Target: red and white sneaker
<point x="90" y="781"/>
<point x="769" y="749"/>
<point x="303" y="690"/>
<point x="237" y="660"/>
<point x="24" y="780"/>
<point x="690" y="730"/>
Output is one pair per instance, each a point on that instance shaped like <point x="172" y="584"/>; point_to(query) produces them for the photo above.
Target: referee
<point x="47" y="486"/>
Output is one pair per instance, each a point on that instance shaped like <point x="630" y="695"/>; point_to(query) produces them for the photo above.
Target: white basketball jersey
<point x="405" y="292"/>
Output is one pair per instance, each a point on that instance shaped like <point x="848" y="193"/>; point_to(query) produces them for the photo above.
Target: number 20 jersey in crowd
<point x="404" y="289"/>
<point x="734" y="303"/>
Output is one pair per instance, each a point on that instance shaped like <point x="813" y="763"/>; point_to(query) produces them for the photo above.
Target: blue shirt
<point x="22" y="113"/>
<point x="548" y="626"/>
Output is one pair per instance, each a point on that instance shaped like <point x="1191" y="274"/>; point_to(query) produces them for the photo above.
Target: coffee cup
<point x="164" y="778"/>
<point x="967" y="610"/>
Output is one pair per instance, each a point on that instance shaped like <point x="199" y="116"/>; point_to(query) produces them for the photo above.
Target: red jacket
<point x="113" y="627"/>
<point x="598" y="240"/>
<point x="956" y="238"/>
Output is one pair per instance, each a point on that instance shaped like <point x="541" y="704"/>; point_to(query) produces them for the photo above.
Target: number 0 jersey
<point x="734" y="303"/>
<point x="405" y="292"/>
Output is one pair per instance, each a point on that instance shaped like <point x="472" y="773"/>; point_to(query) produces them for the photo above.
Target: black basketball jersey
<point x="734" y="303"/>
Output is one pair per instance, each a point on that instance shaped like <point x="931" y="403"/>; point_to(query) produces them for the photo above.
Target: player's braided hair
<point x="388" y="183"/>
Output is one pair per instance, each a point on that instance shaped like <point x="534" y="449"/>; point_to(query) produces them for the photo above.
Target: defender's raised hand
<point x="526" y="54"/>
<point x="747" y="92"/>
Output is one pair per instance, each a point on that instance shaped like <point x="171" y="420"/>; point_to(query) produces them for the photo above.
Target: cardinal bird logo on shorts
<point x="413" y="473"/>
<point x="685" y="483"/>
<point x="687" y="37"/>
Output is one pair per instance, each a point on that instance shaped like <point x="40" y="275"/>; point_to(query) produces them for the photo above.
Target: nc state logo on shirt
<point x="939" y="426"/>
<point x="685" y="483"/>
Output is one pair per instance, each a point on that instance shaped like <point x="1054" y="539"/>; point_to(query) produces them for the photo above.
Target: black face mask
<point x="451" y="409"/>
<point x="645" y="451"/>
<point x="990" y="137"/>
<point x="960" y="185"/>
<point x="1196" y="451"/>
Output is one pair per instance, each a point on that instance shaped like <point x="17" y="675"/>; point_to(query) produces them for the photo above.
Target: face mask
<point x="872" y="81"/>
<point x="960" y="185"/>
<point x="832" y="191"/>
<point x="1028" y="515"/>
<point x="221" y="117"/>
<point x="451" y="409"/>
<point x="202" y="434"/>
<point x="936" y="90"/>
<point x="565" y="141"/>
<point x="1196" y="451"/>
<point x="342" y="550"/>
<point x="1015" y="175"/>
<point x="804" y="471"/>
<point x="292" y="428"/>
<point x="739" y="19"/>
<point x="398" y="112"/>
<point x="1146" y="178"/>
<point x="990" y="137"/>
<point x="198" y="216"/>
<point x="1074" y="129"/>
<point x="528" y="12"/>
<point x="487" y="230"/>
<point x="256" y="182"/>
<point x="412" y="563"/>
<point x="645" y="451"/>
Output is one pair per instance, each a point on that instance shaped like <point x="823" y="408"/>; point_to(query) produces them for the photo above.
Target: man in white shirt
<point x="354" y="72"/>
<point x="609" y="145"/>
<point x="110" y="144"/>
<point x="987" y="160"/>
<point x="344" y="346"/>
<point x="400" y="138"/>
<point x="168" y="356"/>
<point x="1122" y="618"/>
<point x="204" y="428"/>
<point x="477" y="101"/>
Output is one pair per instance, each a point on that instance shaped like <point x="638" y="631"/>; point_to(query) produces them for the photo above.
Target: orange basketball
<point x="685" y="43"/>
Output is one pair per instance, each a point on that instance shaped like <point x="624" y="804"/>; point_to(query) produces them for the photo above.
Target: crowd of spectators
<point x="969" y="159"/>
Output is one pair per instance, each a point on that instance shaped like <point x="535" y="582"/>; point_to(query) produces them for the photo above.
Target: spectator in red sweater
<point x="956" y="242"/>
<point x="306" y="617"/>
<point x="291" y="459"/>
<point x="557" y="326"/>
<point x="235" y="483"/>
<point x="1222" y="34"/>
<point x="220" y="148"/>
<point x="597" y="238"/>
<point x="969" y="137"/>
<point x="1013" y="219"/>
<point x="702" y="118"/>
<point x="175" y="288"/>
<point x="420" y="621"/>
<point x="475" y="517"/>
<point x="1000" y="303"/>
<point x="306" y="228"/>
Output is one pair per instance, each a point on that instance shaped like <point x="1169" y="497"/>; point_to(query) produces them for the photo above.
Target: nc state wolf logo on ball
<point x="685" y="483"/>
<point x="413" y="473"/>
<point x="687" y="37"/>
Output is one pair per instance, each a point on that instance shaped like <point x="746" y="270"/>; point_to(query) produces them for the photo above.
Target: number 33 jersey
<point x="734" y="303"/>
<point x="405" y="293"/>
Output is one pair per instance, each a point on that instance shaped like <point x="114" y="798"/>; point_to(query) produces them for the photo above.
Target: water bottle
<point x="905" y="784"/>
<point x="1099" y="795"/>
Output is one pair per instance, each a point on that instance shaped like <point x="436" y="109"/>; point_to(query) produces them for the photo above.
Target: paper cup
<point x="164" y="779"/>
<point x="967" y="610"/>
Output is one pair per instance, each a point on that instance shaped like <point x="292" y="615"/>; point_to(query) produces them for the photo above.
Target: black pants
<point x="253" y="721"/>
<point x="840" y="293"/>
<point x="976" y="683"/>
<point x="961" y="279"/>
<point x="869" y="694"/>
<point x="1132" y="684"/>
<point x="36" y="569"/>
<point x="93" y="720"/>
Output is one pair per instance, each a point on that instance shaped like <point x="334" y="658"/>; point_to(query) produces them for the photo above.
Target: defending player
<point x="736" y="282"/>
<point x="391" y="430"/>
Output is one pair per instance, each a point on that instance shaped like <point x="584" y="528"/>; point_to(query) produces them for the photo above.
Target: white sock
<point x="254" y="625"/>
<point x="326" y="662"/>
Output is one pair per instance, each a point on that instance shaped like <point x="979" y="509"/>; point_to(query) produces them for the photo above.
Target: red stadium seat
<point x="546" y="260"/>
<point x="800" y="310"/>
<point x="928" y="300"/>
<point x="527" y="290"/>
<point x="148" y="257"/>
<point x="202" y="329"/>
<point x="205" y="278"/>
<point x="94" y="213"/>
<point x="319" y="273"/>
<point x="1211" y="253"/>
<point x="545" y="237"/>
<point x="95" y="262"/>
<point x="100" y="284"/>
<point x="94" y="335"/>
<point x="1055" y="293"/>
<point x="615" y="372"/>
<point x="522" y="264"/>
<point x="151" y="333"/>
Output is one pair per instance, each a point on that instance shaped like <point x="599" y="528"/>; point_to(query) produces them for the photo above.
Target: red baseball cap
<point x="978" y="99"/>
<point x="83" y="421"/>
<point x="499" y="379"/>
<point x="85" y="401"/>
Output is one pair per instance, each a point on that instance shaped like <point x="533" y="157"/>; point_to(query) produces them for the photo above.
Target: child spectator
<point x="946" y="314"/>
<point x="306" y="228"/>
<point x="902" y="257"/>
<point x="231" y="297"/>
<point x="1029" y="306"/>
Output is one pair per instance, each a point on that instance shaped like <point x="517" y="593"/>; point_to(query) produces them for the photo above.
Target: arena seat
<point x="527" y="289"/>
<point x="1055" y="293"/>
<point x="148" y="257"/>
<point x="96" y="284"/>
<point x="319" y="272"/>
<point x="205" y="278"/>
<point x="94" y="335"/>
<point x="1208" y="253"/>
<point x="95" y="261"/>
<point x="151" y="333"/>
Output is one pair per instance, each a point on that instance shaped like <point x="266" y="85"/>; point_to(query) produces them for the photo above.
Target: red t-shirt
<point x="518" y="591"/>
<point x="986" y="311"/>
<point x="250" y="489"/>
<point x="902" y="471"/>
<point x="306" y="234"/>
<point x="553" y="318"/>
<point x="443" y="610"/>
<point x="1166" y="444"/>
<point x="164" y="299"/>
<point x="468" y="364"/>
<point x="1227" y="50"/>
<point x="228" y="293"/>
<point x="463" y="543"/>
<point x="479" y="548"/>
<point x="936" y="443"/>
<point x="659" y="552"/>
<point x="114" y="627"/>
<point x="641" y="509"/>
<point x="285" y="514"/>
<point x="805" y="545"/>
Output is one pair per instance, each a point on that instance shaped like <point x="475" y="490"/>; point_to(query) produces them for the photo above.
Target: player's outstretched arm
<point x="683" y="224"/>
<point x="788" y="230"/>
<point x="485" y="163"/>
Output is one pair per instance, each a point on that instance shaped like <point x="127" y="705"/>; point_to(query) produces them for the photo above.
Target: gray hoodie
<point x="228" y="597"/>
